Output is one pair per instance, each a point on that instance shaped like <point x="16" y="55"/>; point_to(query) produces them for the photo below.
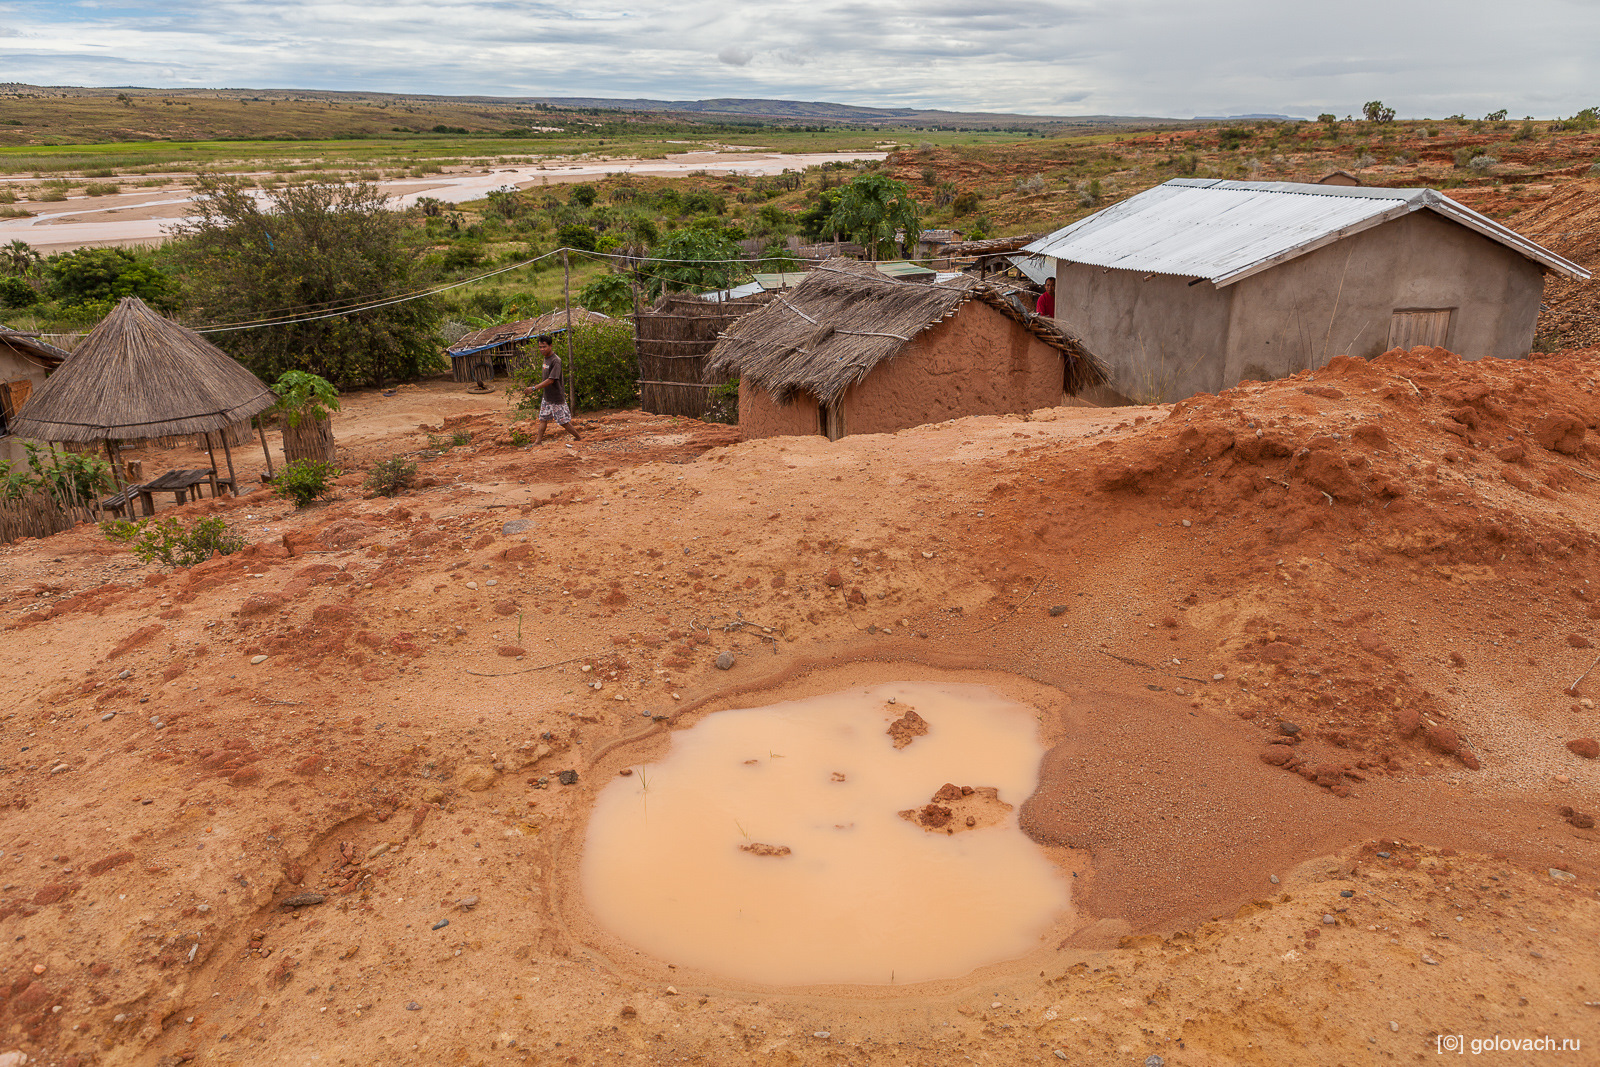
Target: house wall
<point x="761" y="416"/>
<point x="1161" y="337"/>
<point x="977" y="362"/>
<point x="1339" y="299"/>
<point x="1165" y="339"/>
<point x="16" y="366"/>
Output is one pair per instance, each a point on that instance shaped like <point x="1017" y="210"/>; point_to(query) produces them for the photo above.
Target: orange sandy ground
<point x="1395" y="557"/>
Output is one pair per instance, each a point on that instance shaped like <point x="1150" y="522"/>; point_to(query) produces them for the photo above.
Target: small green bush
<point x="305" y="480"/>
<point x="170" y="543"/>
<point x="16" y="293"/>
<point x="603" y="371"/>
<point x="392" y="476"/>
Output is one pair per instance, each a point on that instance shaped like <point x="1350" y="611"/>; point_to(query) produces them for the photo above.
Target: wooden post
<point x="116" y="475"/>
<point x="261" y="428"/>
<point x="566" y="293"/>
<point x="211" y="450"/>
<point x="227" y="453"/>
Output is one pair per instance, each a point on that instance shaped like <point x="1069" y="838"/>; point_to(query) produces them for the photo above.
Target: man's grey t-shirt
<point x="552" y="371"/>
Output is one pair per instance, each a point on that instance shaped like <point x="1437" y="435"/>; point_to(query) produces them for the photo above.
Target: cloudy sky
<point x="1054" y="57"/>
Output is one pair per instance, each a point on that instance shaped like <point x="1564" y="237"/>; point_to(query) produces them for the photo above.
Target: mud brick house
<point x="24" y="363"/>
<point x="850" y="350"/>
<point x="1199" y="284"/>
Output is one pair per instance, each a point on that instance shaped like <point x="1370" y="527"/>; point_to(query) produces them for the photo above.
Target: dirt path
<point x="1392" y="559"/>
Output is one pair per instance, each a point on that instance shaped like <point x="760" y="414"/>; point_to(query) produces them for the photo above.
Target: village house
<point x="24" y="363"/>
<point x="1198" y="284"/>
<point x="851" y="350"/>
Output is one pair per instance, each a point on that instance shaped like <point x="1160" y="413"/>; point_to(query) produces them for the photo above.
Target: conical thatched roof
<point x="140" y="375"/>
<point x="831" y="330"/>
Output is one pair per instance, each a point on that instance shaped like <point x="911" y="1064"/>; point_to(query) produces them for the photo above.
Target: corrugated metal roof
<point x="1226" y="231"/>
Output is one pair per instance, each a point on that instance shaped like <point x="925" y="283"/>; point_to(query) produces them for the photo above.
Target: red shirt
<point x="1046" y="305"/>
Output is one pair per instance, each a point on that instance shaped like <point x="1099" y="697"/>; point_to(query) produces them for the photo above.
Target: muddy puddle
<point x="801" y="843"/>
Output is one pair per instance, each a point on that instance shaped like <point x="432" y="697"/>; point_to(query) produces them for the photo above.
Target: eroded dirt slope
<point x="1310" y="638"/>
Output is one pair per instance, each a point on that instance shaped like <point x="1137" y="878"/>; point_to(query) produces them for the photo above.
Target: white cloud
<point x="736" y="56"/>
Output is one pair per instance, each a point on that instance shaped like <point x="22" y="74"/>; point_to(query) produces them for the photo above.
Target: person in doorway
<point x="553" y="399"/>
<point x="1046" y="305"/>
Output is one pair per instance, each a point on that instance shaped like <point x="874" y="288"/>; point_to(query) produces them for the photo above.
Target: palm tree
<point x="872" y="209"/>
<point x="20" y="258"/>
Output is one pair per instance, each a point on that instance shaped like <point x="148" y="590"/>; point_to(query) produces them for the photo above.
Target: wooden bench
<point x="123" y="501"/>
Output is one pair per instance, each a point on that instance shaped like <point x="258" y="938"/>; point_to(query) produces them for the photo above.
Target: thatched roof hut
<point x="820" y="347"/>
<point x="140" y="375"/>
<point x="832" y="330"/>
<point x="475" y="355"/>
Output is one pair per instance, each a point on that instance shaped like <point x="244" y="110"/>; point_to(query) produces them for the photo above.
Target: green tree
<point x="872" y="209"/>
<point x="816" y="223"/>
<point x="609" y="294"/>
<point x="91" y="275"/>
<point x="693" y="258"/>
<point x="20" y="258"/>
<point x="584" y="195"/>
<point x="324" y="262"/>
<point x="576" y="235"/>
<point x="16" y="293"/>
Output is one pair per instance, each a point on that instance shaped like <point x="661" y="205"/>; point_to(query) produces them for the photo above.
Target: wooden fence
<point x="672" y="339"/>
<point x="40" y="514"/>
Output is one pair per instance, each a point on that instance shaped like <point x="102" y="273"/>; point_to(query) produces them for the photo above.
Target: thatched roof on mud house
<point x="836" y="327"/>
<point x="140" y="375"/>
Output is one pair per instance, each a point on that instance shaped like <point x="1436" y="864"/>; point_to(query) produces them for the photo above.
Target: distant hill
<point x="509" y="110"/>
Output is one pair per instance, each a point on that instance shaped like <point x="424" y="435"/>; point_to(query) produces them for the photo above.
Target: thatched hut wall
<point x="672" y="339"/>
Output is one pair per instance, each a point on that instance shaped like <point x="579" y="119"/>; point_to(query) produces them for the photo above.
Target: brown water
<point x="864" y="896"/>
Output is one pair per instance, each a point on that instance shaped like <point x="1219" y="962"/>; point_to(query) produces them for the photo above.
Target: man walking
<point x="553" y="402"/>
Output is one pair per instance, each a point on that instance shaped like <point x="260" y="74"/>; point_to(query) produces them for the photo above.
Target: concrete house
<point x="1199" y="284"/>
<point x="851" y="350"/>
<point x="24" y="362"/>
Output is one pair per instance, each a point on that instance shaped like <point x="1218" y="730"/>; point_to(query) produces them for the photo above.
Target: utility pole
<point x="566" y="292"/>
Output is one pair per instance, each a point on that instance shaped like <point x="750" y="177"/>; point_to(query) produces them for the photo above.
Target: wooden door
<point x="1419" y="326"/>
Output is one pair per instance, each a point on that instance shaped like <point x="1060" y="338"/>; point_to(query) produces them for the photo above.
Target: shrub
<point x="101" y="189"/>
<point x="305" y="480"/>
<point x="16" y="293"/>
<point x="1482" y="164"/>
<point x="392" y="476"/>
<point x="576" y="236"/>
<point x="603" y="371"/>
<point x="965" y="203"/>
<point x="170" y="543"/>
